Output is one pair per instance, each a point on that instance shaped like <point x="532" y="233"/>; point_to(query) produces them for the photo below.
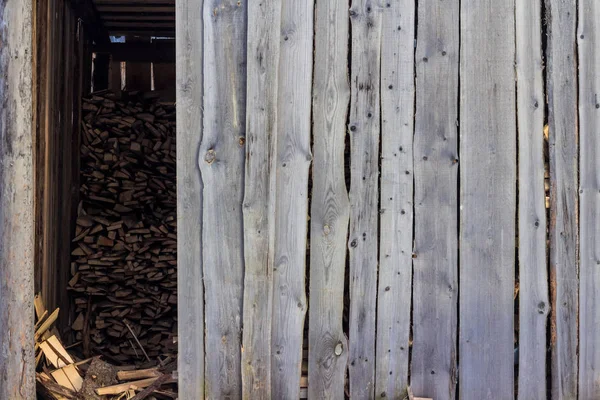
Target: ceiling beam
<point x="92" y="22"/>
<point x="160" y="51"/>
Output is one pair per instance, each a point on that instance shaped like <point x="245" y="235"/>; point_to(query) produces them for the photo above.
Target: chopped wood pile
<point x="60" y="375"/>
<point x="124" y="259"/>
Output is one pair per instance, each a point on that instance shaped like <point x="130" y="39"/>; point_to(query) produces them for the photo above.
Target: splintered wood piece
<point x="138" y="374"/>
<point x="78" y="323"/>
<point x="55" y="353"/>
<point x="68" y="377"/>
<point x="122" y="387"/>
<point x="46" y="325"/>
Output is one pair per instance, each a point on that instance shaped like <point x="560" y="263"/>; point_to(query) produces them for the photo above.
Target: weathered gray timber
<point x="17" y="374"/>
<point x="221" y="159"/>
<point x="364" y="125"/>
<point x="589" y="196"/>
<point x="264" y="19"/>
<point x="291" y="216"/>
<point x="487" y="199"/>
<point x="533" y="269"/>
<point x="435" y="297"/>
<point x="396" y="200"/>
<point x="561" y="89"/>
<point x="328" y="346"/>
<point x="190" y="289"/>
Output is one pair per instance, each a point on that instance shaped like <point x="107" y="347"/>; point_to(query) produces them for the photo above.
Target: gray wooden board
<point x="291" y="218"/>
<point x="190" y="293"/>
<point x="364" y="125"/>
<point x="396" y="199"/>
<point x="328" y="347"/>
<point x="589" y="196"/>
<point x="221" y="159"/>
<point x="264" y="19"/>
<point x="435" y="281"/>
<point x="487" y="199"/>
<point x="533" y="270"/>
<point x="561" y="90"/>
<point x="16" y="202"/>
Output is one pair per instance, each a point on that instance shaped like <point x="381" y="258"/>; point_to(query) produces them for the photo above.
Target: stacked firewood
<point x="123" y="269"/>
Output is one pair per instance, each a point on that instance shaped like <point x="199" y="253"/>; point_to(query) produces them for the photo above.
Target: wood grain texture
<point x="487" y="199"/>
<point x="221" y="159"/>
<point x="396" y="216"/>
<point x="365" y="22"/>
<point x="291" y="222"/>
<point x="534" y="304"/>
<point x="589" y="196"/>
<point x="561" y="87"/>
<point x="16" y="201"/>
<point x="190" y="289"/>
<point x="264" y="24"/>
<point x="328" y="346"/>
<point x="435" y="281"/>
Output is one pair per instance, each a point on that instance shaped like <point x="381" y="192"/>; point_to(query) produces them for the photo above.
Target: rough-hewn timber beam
<point x="16" y="201"/>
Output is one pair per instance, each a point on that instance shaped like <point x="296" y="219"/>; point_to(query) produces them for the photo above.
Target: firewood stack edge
<point x="124" y="258"/>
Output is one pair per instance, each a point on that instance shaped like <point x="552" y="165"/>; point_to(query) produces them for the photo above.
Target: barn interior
<point x="104" y="155"/>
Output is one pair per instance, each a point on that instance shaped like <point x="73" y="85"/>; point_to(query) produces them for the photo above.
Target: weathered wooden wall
<point x="447" y="235"/>
<point x="378" y="168"/>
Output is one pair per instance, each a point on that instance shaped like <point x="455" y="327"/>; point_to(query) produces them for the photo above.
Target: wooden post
<point x="101" y="71"/>
<point x="16" y="202"/>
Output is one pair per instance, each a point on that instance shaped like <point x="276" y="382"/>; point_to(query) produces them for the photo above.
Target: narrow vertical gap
<point x="578" y="187"/>
<point x="379" y="165"/>
<point x="412" y="272"/>
<point x="516" y="297"/>
<point x="305" y="343"/>
<point x="544" y="27"/>
<point x="347" y="177"/>
<point x="458" y="201"/>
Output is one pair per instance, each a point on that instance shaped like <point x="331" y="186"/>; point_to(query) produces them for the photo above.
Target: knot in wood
<point x="339" y="348"/>
<point x="326" y="230"/>
<point x="210" y="156"/>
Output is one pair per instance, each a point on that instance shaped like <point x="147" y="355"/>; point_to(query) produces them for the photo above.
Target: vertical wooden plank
<point x="264" y="19"/>
<point x="396" y="219"/>
<point x="487" y="199"/>
<point x="190" y="289"/>
<point x="48" y="266"/>
<point x="293" y="160"/>
<point x="364" y="128"/>
<point x="221" y="160"/>
<point x="533" y="270"/>
<point x="435" y="298"/>
<point x="63" y="228"/>
<point x="328" y="347"/>
<point x="16" y="201"/>
<point x="39" y="121"/>
<point x="563" y="151"/>
<point x="589" y="197"/>
<point x="115" y="76"/>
